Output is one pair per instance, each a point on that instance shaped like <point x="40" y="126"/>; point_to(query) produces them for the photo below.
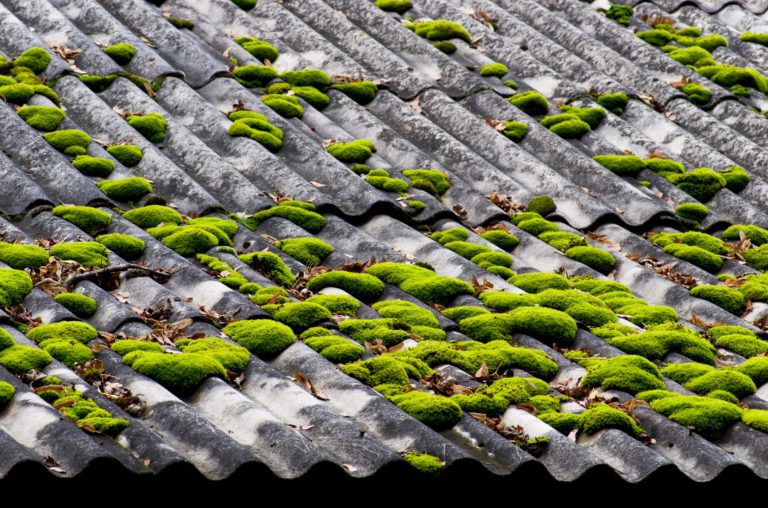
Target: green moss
<point x="724" y="297"/>
<point x="697" y="94"/>
<point x="628" y="373"/>
<point x="271" y="266"/>
<point x="622" y="165"/>
<point x="126" y="189"/>
<point x="122" y="53"/>
<point x="462" y="312"/>
<point x="656" y="344"/>
<point x="684" y="372"/>
<point x="15" y="285"/>
<point x="610" y="330"/>
<point x="516" y="131"/>
<point x="434" y="411"/>
<point x="152" y="216"/>
<point x="593" y="257"/>
<point x="440" y="30"/>
<point x="312" y="96"/>
<point x="536" y="282"/>
<point x="125" y="246"/>
<point x="69" y="141"/>
<point x="245" y="5"/>
<point x="537" y="226"/>
<point x="86" y="218"/>
<point x="707" y="416"/>
<point x="85" y="253"/>
<point x="446" y="47"/>
<point x="21" y="359"/>
<point x="436" y="288"/>
<point x="598" y="287"/>
<point x="190" y="240"/>
<point x="664" y="166"/>
<point x="336" y="304"/>
<point x="481" y="403"/>
<point x="256" y="127"/>
<point x="757" y="258"/>
<point x="127" y="155"/>
<point x="614" y="102"/>
<point x="501" y="239"/>
<point x="496" y="70"/>
<point x="68" y="352"/>
<point x="19" y="256"/>
<point x="97" y="83"/>
<point x="273" y="294"/>
<point x="692" y="211"/>
<point x="65" y="330"/>
<point x="357" y="151"/>
<point x="44" y="118"/>
<point x="649" y="314"/>
<point x="755" y="291"/>
<point x="544" y="324"/>
<point x="490" y="259"/>
<point x="591" y="315"/>
<point x="181" y="23"/>
<point x="152" y="126"/>
<point x="6" y="393"/>
<point x="363" y="286"/>
<point x="233" y="358"/>
<point x="407" y="313"/>
<point x="93" y="166"/>
<point x="467" y="249"/>
<point x="362" y="92"/>
<point x="433" y="181"/>
<point x="310" y="251"/>
<point x="561" y="422"/>
<point x="561" y="240"/>
<point x="721" y="331"/>
<point x="400" y="6"/>
<point x="592" y="116"/>
<point x="80" y="305"/>
<point x="530" y="102"/>
<point x="301" y="315"/>
<point x="756" y="368"/>
<point x="570" y="128"/>
<point x="388" y="184"/>
<point x="287" y="106"/>
<point x="757" y="38"/>
<point x="696" y="255"/>
<point x="311" y="221"/>
<point x="34" y="59"/>
<point x="732" y="381"/>
<point x="694" y="238"/>
<point x="621" y="14"/>
<point x="543" y="205"/>
<point x="307" y="77"/>
<point x="736" y="178"/>
<point x="450" y="235"/>
<point x="180" y="373"/>
<point x="755" y="418"/>
<point x="125" y="346"/>
<point x="602" y="416"/>
<point x="261" y="50"/>
<point x="263" y="337"/>
<point x="335" y="349"/>
<point x="690" y="55"/>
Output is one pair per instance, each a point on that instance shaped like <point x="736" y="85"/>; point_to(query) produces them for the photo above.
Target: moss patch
<point x="530" y="102"/>
<point x="19" y="256"/>
<point x="122" y="53"/>
<point x="93" y="166"/>
<point x="69" y="141"/>
<point x="362" y="92"/>
<point x="357" y="151"/>
<point x="707" y="416"/>
<point x="126" y="189"/>
<point x="85" y="253"/>
<point x="264" y="338"/>
<point x="724" y="297"/>
<point x="271" y="266"/>
<point x="152" y="126"/>
<point x="152" y="216"/>
<point x="440" y="30"/>
<point x="80" y="305"/>
<point x="125" y="246"/>
<point x="44" y="118"/>
<point x="15" y="285"/>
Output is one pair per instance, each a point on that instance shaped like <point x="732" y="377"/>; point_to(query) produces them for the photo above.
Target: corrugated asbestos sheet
<point x="508" y="337"/>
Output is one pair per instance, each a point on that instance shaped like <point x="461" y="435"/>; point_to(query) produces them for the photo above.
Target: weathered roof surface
<point x="296" y="413"/>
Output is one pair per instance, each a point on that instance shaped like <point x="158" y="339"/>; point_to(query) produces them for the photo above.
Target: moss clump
<point x="245" y="5"/>
<point x="34" y="59"/>
<point x="690" y="55"/>
<point x="261" y="50"/>
<point x="756" y="368"/>
<point x="309" y="220"/>
<point x="516" y="131"/>
<point x="180" y="373"/>
<point x="450" y="235"/>
<point x="93" y="166"/>
<point x="271" y="266"/>
<point x="630" y="373"/>
<point x="621" y="14"/>
<point x="702" y="183"/>
<point x="398" y="6"/>
<point x="736" y="178"/>
<point x="17" y="93"/>
<point x="287" y="106"/>
<point x="80" y="305"/>
<point x="429" y="180"/>
<point x="233" y="358"/>
<point x="387" y="184"/>
<point x="434" y="411"/>
<point x="188" y="241"/>
<point x="85" y="253"/>
<point x="593" y="257"/>
<point x="406" y="313"/>
<point x="566" y="125"/>
<point x="420" y="282"/>
<point x="543" y="205"/>
<point x="122" y="53"/>
<point x="68" y="352"/>
<point x="440" y="30"/>
<point x="561" y="240"/>
<point x="126" y="189"/>
<point x="125" y="346"/>
<point x="537" y="226"/>
<point x="656" y="344"/>
<point x="69" y="141"/>
<point x="692" y="211"/>
<point x="310" y="251"/>
<point x="312" y="96"/>
<point x="21" y="359"/>
<point x="649" y="314"/>
<point x="263" y="337"/>
<point x="501" y="239"/>
<point x="43" y="118"/>
<point x="602" y="416"/>
<point x="86" y="218"/>
<point x="362" y="330"/>
<point x="622" y="165"/>
<point x="152" y="126"/>
<point x="423" y="462"/>
<point x="357" y="151"/>
<point x="757" y="258"/>
<point x="495" y="70"/>
<point x="15" y="285"/>
<point x="543" y="324"/>
<point x="592" y="116"/>
<point x="301" y="315"/>
<point x="256" y="127"/>
<point x="504" y="302"/>
<point x="307" y="77"/>
<point x="125" y="246"/>
<point x="335" y="349"/>
<point x="366" y="287"/>
<point x="755" y="418"/>
<point x="152" y="216"/>
<point x="97" y="83"/>
<point x="664" y="166"/>
<point x="614" y="102"/>
<point x="724" y="297"/>
<point x="732" y="381"/>
<point x="446" y="47"/>
<point x="362" y="92"/>
<point x="127" y="155"/>
<point x="693" y="238"/>
<point x="490" y="260"/>
<point x="539" y="281"/>
<point x="684" y="372"/>
<point x="707" y="416"/>
<point x="19" y="256"/>
<point x="695" y="255"/>
<point x="697" y="94"/>
<point x="530" y="102"/>
<point x="65" y="330"/>
<point x="6" y="393"/>
<point x="336" y="304"/>
<point x="743" y="345"/>
<point x="462" y="312"/>
<point x="181" y="23"/>
<point x="467" y="249"/>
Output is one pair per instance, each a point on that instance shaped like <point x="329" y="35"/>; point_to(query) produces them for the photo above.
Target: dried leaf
<point x="306" y="383"/>
<point x="483" y="371"/>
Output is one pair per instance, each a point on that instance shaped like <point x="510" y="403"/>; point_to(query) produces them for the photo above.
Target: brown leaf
<point x="306" y="383"/>
<point x="459" y="210"/>
<point x="483" y="371"/>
